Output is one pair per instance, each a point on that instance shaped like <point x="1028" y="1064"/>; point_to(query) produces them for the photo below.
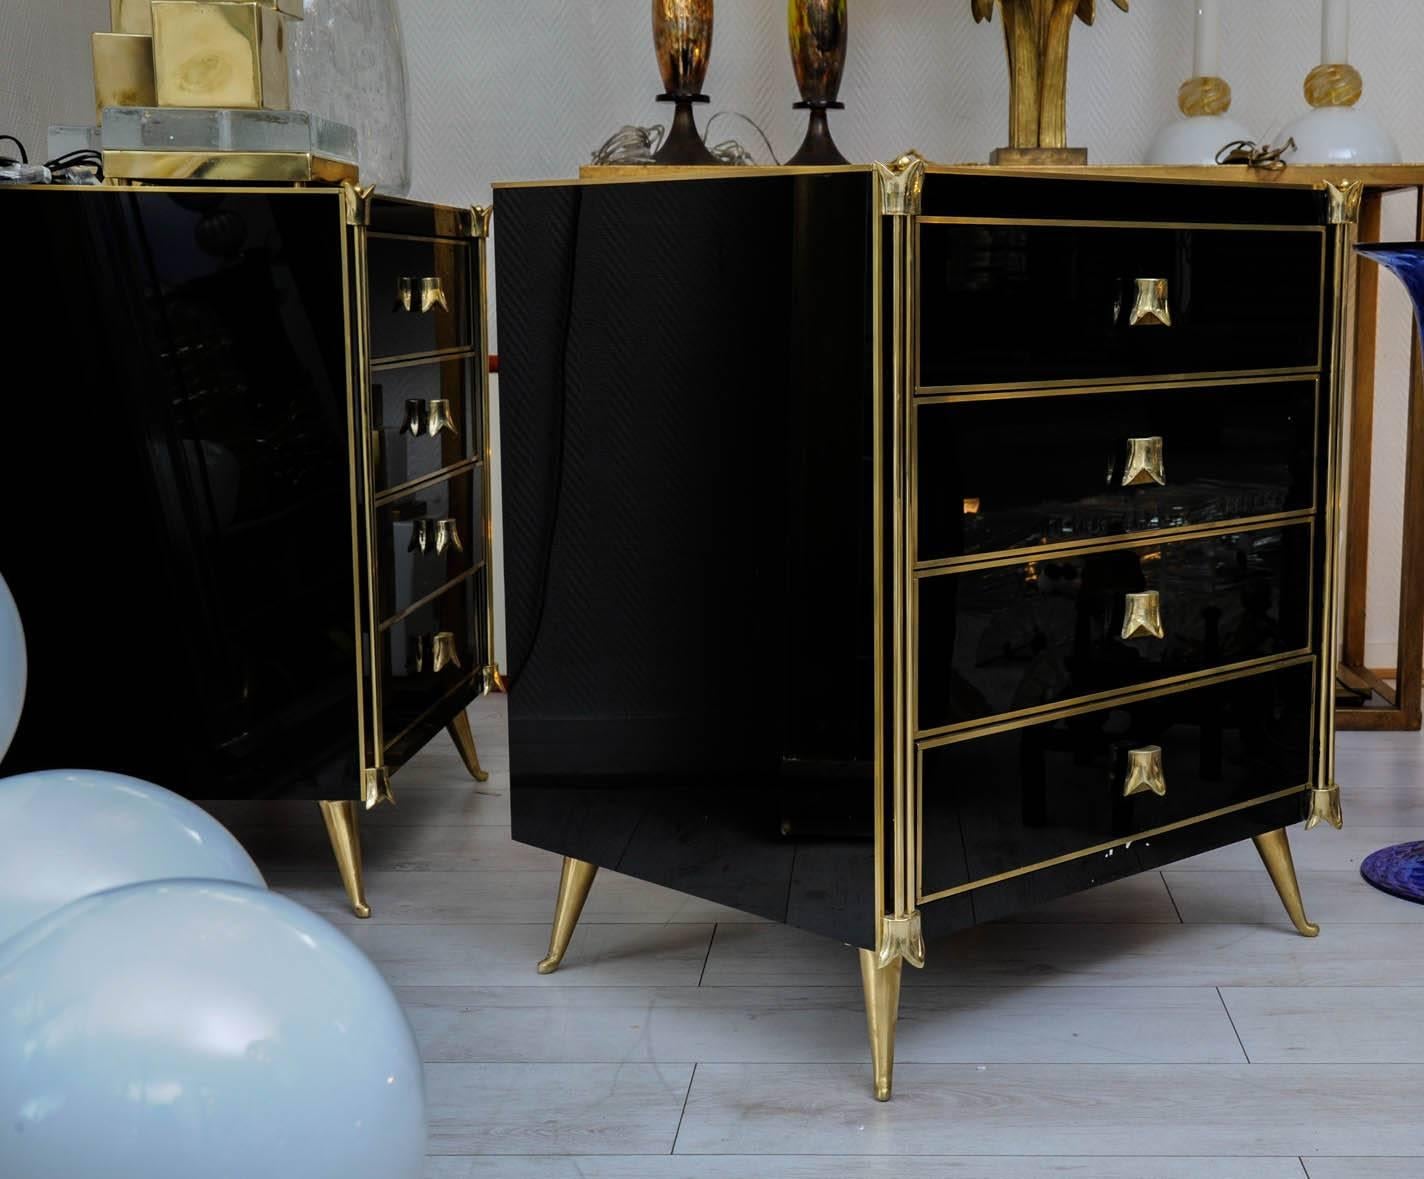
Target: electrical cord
<point x="24" y="155"/>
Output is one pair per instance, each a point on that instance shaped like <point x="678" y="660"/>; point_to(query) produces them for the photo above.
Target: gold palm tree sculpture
<point x="1036" y="35"/>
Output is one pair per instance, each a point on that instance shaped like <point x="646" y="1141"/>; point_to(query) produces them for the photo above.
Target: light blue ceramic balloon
<point x="12" y="667"/>
<point x="67" y="833"/>
<point x="193" y="1029"/>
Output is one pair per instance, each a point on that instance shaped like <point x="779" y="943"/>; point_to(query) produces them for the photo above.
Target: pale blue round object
<point x="12" y="667"/>
<point x="195" y="1029"/>
<point x="67" y="833"/>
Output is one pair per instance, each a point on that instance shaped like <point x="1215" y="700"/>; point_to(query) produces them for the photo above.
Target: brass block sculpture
<point x="123" y="70"/>
<point x="1036" y="37"/>
<point x="218" y="54"/>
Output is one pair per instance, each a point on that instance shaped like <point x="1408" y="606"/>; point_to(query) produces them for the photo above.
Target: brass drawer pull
<point x="424" y="294"/>
<point x="428" y="417"/>
<point x="1144" y="463"/>
<point x="1144" y="772"/>
<point x="435" y="534"/>
<point x="436" y="651"/>
<point x="1151" y="308"/>
<point x="1142" y="616"/>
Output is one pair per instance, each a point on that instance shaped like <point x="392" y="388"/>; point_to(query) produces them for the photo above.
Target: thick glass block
<point x="67" y="137"/>
<point x="149" y="128"/>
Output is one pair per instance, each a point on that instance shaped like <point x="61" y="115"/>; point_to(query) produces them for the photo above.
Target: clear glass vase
<point x="348" y="64"/>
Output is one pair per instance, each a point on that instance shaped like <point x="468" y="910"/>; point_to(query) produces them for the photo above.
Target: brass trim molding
<point x="1345" y="198"/>
<point x="428" y="239"/>
<point x="1325" y="807"/>
<point x="1004" y="722"/>
<point x="932" y="394"/>
<point x="356" y="202"/>
<point x="901" y="937"/>
<point x="376" y="787"/>
<point x="902" y="183"/>
<point x="273" y="166"/>
<point x="401" y="490"/>
<point x="1093" y="223"/>
<point x="1151" y="538"/>
<point x="1015" y="391"/>
<point x="1151" y="833"/>
<point x="416" y="359"/>
<point x="391" y="621"/>
<point x="481" y="217"/>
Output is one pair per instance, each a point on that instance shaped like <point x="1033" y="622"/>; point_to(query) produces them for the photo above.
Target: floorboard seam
<point x="1175" y="908"/>
<point x="683" y="1113"/>
<point x="707" y="957"/>
<point x="1232" y="1022"/>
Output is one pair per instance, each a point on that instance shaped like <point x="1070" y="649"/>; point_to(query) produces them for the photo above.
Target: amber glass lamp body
<point x="817" y="31"/>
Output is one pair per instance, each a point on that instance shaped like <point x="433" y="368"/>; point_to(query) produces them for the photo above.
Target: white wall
<point x="524" y="89"/>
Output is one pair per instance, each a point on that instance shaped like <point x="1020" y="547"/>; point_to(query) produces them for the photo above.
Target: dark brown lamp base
<point x="683" y="144"/>
<point x="1038" y="157"/>
<point x="818" y="147"/>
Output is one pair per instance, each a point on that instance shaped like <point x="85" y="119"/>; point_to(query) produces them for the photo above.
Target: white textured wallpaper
<point x="526" y="89"/>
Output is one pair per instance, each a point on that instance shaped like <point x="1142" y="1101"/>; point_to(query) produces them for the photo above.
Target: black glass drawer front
<point x="1021" y="636"/>
<point x="1007" y="473"/>
<point x="1012" y="304"/>
<point x="429" y="652"/>
<point x="420" y="296"/>
<point x="427" y="539"/>
<point x="424" y="417"/>
<point x="999" y="803"/>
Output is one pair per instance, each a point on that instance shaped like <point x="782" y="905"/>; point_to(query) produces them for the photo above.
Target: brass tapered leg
<point x="882" y="1008"/>
<point x="574" y="882"/>
<point x="459" y="730"/>
<point x="345" y="834"/>
<point x="1276" y="855"/>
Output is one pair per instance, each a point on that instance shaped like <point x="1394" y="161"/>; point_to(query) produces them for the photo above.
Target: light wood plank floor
<point x="1171" y="1026"/>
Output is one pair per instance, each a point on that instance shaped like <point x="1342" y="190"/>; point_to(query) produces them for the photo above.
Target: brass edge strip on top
<point x="1151" y="833"/>
<point x="270" y="188"/>
<point x="1173" y="534"/>
<point x="993" y="725"/>
<point x="1088" y="223"/>
<point x="591" y="175"/>
<point x="401" y="490"/>
<point x="385" y="236"/>
<point x="451" y="356"/>
<point x="1099" y="387"/>
<point x="1040" y="713"/>
<point x="411" y="359"/>
<point x="430" y="597"/>
<point x="454" y="690"/>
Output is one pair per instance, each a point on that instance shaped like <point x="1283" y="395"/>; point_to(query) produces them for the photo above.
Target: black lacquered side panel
<point x="1004" y="304"/>
<point x="1027" y="635"/>
<point x="1008" y="473"/>
<point x="184" y="530"/>
<point x="994" y="804"/>
<point x="686" y="392"/>
<point x="428" y="653"/>
<point x="425" y="417"/>
<point x="427" y="539"/>
<point x="421" y="296"/>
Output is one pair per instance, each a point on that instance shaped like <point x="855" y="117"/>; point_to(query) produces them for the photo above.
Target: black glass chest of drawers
<point x="246" y="486"/>
<point x="891" y="549"/>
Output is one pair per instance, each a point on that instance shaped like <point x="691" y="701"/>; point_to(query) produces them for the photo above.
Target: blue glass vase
<point x="1399" y="869"/>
